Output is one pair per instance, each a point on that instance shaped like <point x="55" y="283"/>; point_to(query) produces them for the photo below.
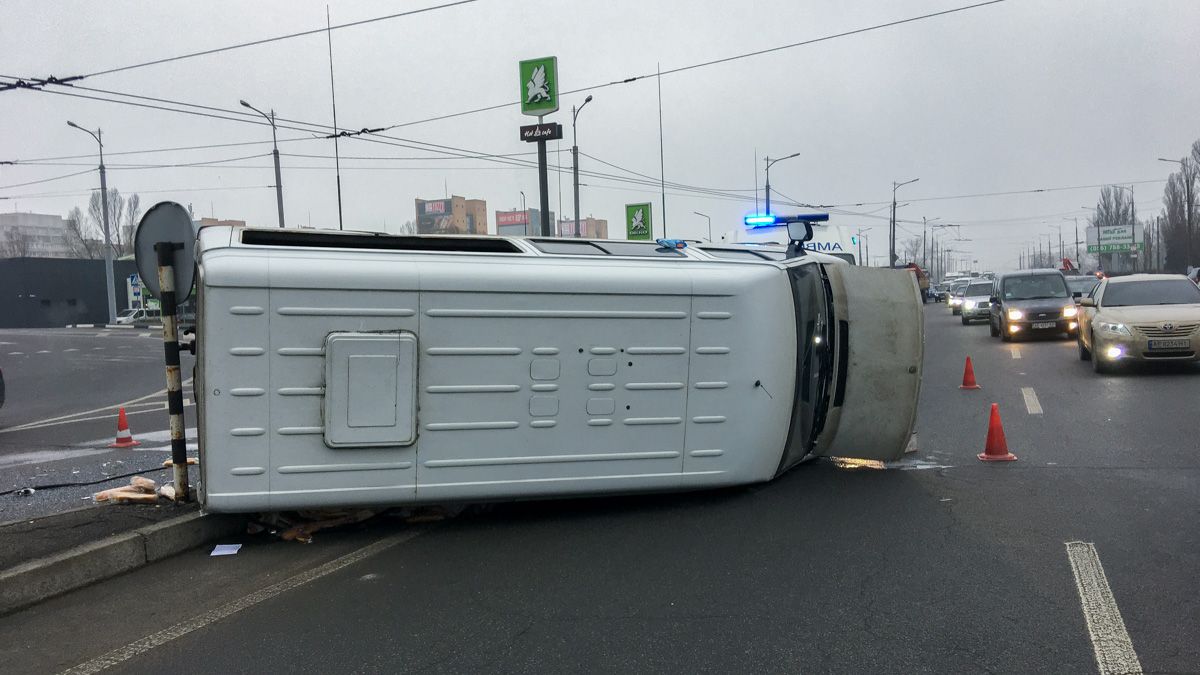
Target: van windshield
<point x="978" y="290"/>
<point x="814" y="360"/>
<point x="1035" y="286"/>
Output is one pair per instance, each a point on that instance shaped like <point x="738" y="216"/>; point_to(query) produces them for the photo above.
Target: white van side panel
<point x="524" y="379"/>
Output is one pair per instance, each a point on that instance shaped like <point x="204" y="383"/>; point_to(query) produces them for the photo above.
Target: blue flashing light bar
<point x="760" y="220"/>
<point x="770" y="219"/>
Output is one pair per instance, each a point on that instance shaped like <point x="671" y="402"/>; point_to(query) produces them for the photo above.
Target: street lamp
<point x="278" y="180"/>
<point x="1188" y="223"/>
<point x="709" y="224"/>
<point x="769" y="163"/>
<point x="924" y="243"/>
<point x="575" y="153"/>
<point x="108" y="253"/>
<point x="892" y="228"/>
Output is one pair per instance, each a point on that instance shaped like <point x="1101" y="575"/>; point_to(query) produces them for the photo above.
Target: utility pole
<point x="337" y="159"/>
<point x="274" y="142"/>
<point x="892" y="228"/>
<point x="108" y="252"/>
<point x="709" y="224"/>
<point x="575" y="154"/>
<point x="769" y="162"/>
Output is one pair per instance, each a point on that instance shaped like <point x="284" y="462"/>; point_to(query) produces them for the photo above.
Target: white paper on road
<point x="225" y="549"/>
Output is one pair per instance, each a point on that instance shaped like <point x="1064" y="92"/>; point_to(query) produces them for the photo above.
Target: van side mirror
<point x="993" y="299"/>
<point x="1087" y="302"/>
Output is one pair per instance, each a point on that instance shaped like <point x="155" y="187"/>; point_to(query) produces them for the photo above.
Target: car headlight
<point x="956" y="301"/>
<point x="1070" y="311"/>
<point x="969" y="304"/>
<point x="1015" y="315"/>
<point x="1117" y="328"/>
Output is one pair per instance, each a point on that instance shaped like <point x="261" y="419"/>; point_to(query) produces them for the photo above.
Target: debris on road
<point x="25" y="491"/>
<point x="300" y="525"/>
<point x="141" y="490"/>
<point x="225" y="549"/>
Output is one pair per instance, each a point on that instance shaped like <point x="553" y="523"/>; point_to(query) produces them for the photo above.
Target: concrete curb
<point x="38" y="580"/>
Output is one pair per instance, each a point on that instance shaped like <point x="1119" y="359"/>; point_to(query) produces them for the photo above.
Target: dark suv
<point x="1032" y="301"/>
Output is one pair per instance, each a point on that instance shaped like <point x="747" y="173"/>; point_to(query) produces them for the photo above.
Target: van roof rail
<point x="382" y="242"/>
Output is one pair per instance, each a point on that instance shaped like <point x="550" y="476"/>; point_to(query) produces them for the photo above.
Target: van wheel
<point x="992" y="327"/>
<point x="1004" y="334"/>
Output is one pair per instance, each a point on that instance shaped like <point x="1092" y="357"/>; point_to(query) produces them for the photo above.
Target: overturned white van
<point x="359" y="369"/>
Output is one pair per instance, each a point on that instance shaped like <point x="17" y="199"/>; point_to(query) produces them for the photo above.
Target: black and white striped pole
<point x="165" y="251"/>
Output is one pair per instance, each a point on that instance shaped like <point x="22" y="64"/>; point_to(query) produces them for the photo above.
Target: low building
<point x="35" y="235"/>
<point x="453" y="215"/>
<point x="516" y="223"/>
<point x="55" y="292"/>
<point x="588" y="228"/>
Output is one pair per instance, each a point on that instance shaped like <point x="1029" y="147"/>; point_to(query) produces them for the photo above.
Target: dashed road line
<point x="133" y="649"/>
<point x="16" y="353"/>
<point x="1031" y="401"/>
<point x="43" y="351"/>
<point x="1016" y="351"/>
<point x="1110" y="639"/>
<point x="70" y="350"/>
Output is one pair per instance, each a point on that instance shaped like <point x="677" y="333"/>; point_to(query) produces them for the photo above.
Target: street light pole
<point x="892" y="228"/>
<point x="275" y="153"/>
<point x="575" y="154"/>
<point x="109" y="284"/>
<point x="709" y="224"/>
<point x="770" y="161"/>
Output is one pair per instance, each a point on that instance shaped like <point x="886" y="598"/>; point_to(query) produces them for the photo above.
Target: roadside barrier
<point x="995" y="449"/>
<point x="124" y="437"/>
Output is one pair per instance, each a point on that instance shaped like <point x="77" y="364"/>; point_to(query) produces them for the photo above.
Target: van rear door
<point x="878" y="336"/>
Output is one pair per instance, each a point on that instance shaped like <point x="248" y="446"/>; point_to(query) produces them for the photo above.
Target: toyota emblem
<point x="1168" y="326"/>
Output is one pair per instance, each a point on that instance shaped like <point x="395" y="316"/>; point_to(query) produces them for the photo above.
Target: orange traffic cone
<point x="124" y="438"/>
<point x="969" y="377"/>
<point x="996" y="447"/>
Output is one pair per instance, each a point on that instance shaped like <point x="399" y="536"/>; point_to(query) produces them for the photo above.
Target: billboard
<point x="435" y="216"/>
<point x="506" y="218"/>
<point x="1115" y="238"/>
<point x="638" y="224"/>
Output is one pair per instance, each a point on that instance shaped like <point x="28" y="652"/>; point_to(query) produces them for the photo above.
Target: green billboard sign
<point x="539" y="86"/>
<point x="1115" y="248"/>
<point x="638" y="222"/>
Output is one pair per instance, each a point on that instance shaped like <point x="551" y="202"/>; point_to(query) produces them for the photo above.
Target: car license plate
<point x="1043" y="324"/>
<point x="1170" y="344"/>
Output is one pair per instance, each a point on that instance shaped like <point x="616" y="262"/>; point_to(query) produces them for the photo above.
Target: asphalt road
<point x="64" y="389"/>
<point x="939" y="563"/>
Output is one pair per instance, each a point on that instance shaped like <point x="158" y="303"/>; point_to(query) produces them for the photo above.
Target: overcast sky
<point x="1021" y="95"/>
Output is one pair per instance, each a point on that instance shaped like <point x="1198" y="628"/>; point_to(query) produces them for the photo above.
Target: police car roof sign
<point x="166" y="222"/>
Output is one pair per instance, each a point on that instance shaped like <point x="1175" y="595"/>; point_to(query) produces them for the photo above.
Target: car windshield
<point x="125" y="314"/>
<point x="977" y="290"/>
<point x="1035" y="286"/>
<point x="1082" y="285"/>
<point x="1157" y="292"/>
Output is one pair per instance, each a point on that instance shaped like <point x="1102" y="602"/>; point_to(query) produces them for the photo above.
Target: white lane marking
<point x="97" y="348"/>
<point x="1016" y="351"/>
<point x="1031" y="401"/>
<point x="16" y="353"/>
<point x="1110" y="640"/>
<point x="70" y="350"/>
<point x="43" y="351"/>
<point x="65" y="419"/>
<point x="157" y="406"/>
<point x="133" y="649"/>
<point x="145" y="334"/>
<point x="7" y="343"/>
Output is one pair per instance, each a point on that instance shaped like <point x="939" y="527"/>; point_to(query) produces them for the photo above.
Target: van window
<point x="814" y="360"/>
<point x="1035" y="286"/>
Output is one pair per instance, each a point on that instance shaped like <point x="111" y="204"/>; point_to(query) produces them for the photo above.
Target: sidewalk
<point x="44" y="557"/>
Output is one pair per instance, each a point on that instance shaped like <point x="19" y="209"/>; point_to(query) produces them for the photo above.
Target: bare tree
<point x="116" y="214"/>
<point x="911" y="249"/>
<point x="16" y="243"/>
<point x="133" y="211"/>
<point x="81" y="237"/>
<point x="409" y="227"/>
